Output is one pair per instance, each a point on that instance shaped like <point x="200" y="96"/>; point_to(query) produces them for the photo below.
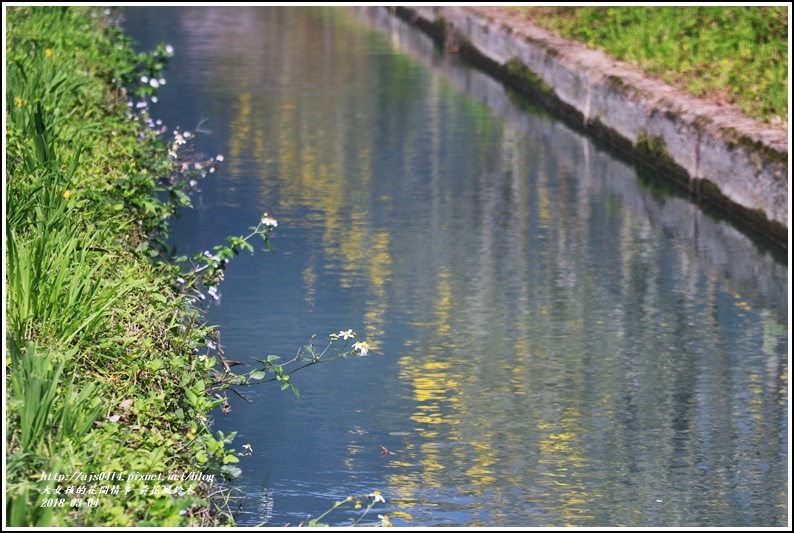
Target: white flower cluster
<point x="266" y="220"/>
<point x="361" y="348"/>
<point x="349" y="334"/>
<point x="180" y="138"/>
<point x="154" y="82"/>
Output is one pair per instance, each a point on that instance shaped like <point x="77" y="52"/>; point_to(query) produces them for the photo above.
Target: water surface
<point x="560" y="338"/>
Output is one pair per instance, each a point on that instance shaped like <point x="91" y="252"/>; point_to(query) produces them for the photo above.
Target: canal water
<point x="559" y="337"/>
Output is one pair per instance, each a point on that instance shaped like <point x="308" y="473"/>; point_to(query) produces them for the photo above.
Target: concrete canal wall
<point x="723" y="157"/>
<point x="705" y="236"/>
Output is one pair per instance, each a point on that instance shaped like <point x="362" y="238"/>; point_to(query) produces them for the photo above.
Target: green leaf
<point x="226" y="438"/>
<point x="256" y="374"/>
<point x="191" y="397"/>
<point x="159" y="297"/>
<point x="213" y="446"/>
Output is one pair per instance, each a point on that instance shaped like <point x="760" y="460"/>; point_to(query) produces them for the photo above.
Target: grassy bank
<point x="107" y="374"/>
<point x="735" y="55"/>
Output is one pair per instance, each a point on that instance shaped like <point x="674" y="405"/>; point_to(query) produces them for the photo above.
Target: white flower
<point x="203" y="358"/>
<point x="144" y="79"/>
<point x="268" y="221"/>
<point x="377" y="496"/>
<point x="169" y="49"/>
<point x="162" y="81"/>
<point x="347" y="334"/>
<point x="154" y="83"/>
<point x="248" y="447"/>
<point x="361" y="347"/>
<point x="154" y="99"/>
<point x="220" y="158"/>
<point x="384" y="520"/>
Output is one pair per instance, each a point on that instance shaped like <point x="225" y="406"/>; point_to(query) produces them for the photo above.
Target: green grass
<point x="736" y="55"/>
<point x="110" y="366"/>
<point x="102" y="368"/>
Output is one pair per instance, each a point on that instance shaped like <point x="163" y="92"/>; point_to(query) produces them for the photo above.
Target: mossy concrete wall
<point x="721" y="155"/>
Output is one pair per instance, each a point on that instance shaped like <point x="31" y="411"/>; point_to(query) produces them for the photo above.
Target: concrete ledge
<point x="724" y="157"/>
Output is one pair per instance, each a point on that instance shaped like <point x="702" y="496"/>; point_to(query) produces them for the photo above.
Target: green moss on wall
<point x="653" y="150"/>
<point x="610" y="135"/>
<point x="617" y="84"/>
<point x="757" y="218"/>
<point x="768" y="154"/>
<point x="525" y="76"/>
